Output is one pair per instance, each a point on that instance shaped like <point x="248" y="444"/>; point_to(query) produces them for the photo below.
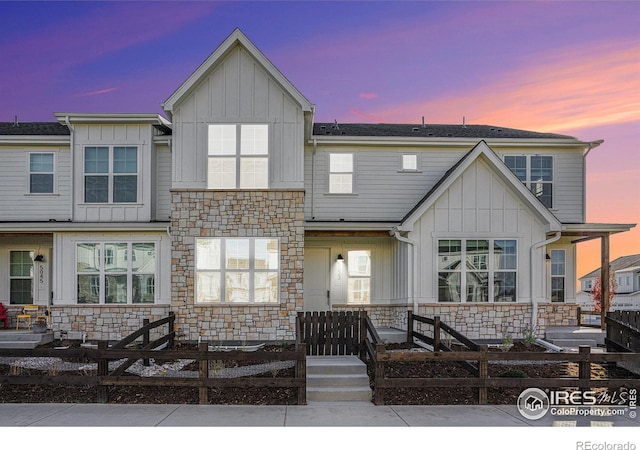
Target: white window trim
<point x="353" y="174"/>
<point x="129" y="273"/>
<point x="223" y="270"/>
<point x="110" y="175"/>
<point x="403" y="170"/>
<point x="491" y="270"/>
<point x="53" y="172"/>
<point x="238" y="156"/>
<point x="528" y="180"/>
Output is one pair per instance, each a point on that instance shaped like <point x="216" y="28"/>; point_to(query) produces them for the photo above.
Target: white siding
<point x="65" y="285"/>
<point x="110" y="135"/>
<point x="162" y="189"/>
<point x="16" y="203"/>
<point x="238" y="90"/>
<point x="479" y="205"/>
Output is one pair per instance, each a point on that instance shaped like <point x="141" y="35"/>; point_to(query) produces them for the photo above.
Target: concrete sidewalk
<point x="313" y="415"/>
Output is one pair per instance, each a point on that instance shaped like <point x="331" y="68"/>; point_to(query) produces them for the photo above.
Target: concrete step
<point x="570" y="343"/>
<point x="575" y="333"/>
<point x="391" y="335"/>
<point x="345" y="380"/>
<point x="334" y="394"/>
<point x="19" y="344"/>
<point x="335" y="365"/>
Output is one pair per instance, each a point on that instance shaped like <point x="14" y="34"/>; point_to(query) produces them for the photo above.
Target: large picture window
<point x="21" y="277"/>
<point x="477" y="270"/>
<point x="536" y="172"/>
<point x="41" y="170"/>
<point x="111" y="174"/>
<point x="238" y="156"/>
<point x="116" y="272"/>
<point x="237" y="270"/>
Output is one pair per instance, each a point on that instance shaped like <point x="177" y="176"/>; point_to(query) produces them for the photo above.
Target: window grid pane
<point x="222" y="140"/>
<point x="254" y="140"/>
<point x="125" y="160"/>
<point x="221" y="173"/>
<point x="254" y="173"/>
<point x="409" y="162"/>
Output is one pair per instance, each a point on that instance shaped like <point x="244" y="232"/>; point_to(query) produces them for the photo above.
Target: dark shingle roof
<point x="33" y="129"/>
<point x="621" y="263"/>
<point x="428" y="131"/>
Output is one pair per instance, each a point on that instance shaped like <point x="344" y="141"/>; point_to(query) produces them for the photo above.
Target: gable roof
<point x="237" y="37"/>
<point x="429" y="131"/>
<point x="618" y="264"/>
<point x="481" y="150"/>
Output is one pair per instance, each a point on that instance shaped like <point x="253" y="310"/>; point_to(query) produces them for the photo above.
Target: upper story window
<point x="41" y="170"/>
<point x="536" y="172"/>
<point x="409" y="162"/>
<point x="238" y="156"/>
<point x="341" y="173"/>
<point x="111" y="174"/>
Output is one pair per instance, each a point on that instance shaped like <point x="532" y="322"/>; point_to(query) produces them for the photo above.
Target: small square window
<point x="410" y="162"/>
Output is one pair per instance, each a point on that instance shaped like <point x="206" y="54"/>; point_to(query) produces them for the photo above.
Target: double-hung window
<point x="359" y="276"/>
<point x="238" y="156"/>
<point x="116" y="272"/>
<point x="477" y="270"/>
<point x="41" y="171"/>
<point x="21" y="277"/>
<point x="536" y="172"/>
<point x="341" y="173"/>
<point x="237" y="270"/>
<point x="111" y="174"/>
<point x="558" y="272"/>
<point x="409" y="162"/>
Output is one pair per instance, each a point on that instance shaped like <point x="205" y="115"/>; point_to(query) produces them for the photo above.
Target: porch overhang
<point x="344" y="228"/>
<point x="583" y="232"/>
<point x="53" y="227"/>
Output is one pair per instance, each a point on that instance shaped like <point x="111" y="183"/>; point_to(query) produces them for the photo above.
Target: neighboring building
<point x="626" y="272"/>
<point x="239" y="211"/>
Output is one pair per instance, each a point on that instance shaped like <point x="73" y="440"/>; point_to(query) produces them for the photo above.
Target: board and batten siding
<point x="16" y="203"/>
<point x="238" y="90"/>
<point x="162" y="191"/>
<point x="479" y="205"/>
<point x="140" y="135"/>
<point x="65" y="282"/>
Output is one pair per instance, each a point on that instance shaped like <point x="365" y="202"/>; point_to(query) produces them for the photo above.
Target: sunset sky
<point x="566" y="67"/>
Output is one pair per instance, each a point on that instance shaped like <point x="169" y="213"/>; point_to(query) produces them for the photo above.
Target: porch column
<point x="604" y="278"/>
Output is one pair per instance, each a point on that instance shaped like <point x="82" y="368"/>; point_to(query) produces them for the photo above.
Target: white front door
<point x="316" y="279"/>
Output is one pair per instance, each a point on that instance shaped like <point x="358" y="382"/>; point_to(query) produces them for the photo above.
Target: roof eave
<point x="445" y="141"/>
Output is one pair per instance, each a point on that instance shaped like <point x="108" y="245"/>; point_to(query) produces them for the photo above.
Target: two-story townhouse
<point x="626" y="274"/>
<point x="272" y="214"/>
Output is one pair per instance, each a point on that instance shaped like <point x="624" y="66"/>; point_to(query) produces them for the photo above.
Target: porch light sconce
<point x="547" y="257"/>
<point x="39" y="258"/>
<point x="340" y="258"/>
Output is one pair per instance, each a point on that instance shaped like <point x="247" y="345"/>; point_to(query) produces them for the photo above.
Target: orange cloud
<point x="368" y="95"/>
<point x="571" y="89"/>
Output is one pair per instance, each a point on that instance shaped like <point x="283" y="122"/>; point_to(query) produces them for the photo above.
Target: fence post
<point x="203" y="374"/>
<point x="409" y="327"/>
<point x="363" y="335"/>
<point x="103" y="371"/>
<point x="301" y="373"/>
<point x="584" y="368"/>
<point x="483" y="374"/>
<point x="145" y="341"/>
<point x="579" y="315"/>
<point x="436" y="334"/>
<point x="172" y="319"/>
<point x="378" y="393"/>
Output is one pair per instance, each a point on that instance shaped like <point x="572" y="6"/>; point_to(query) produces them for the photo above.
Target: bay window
<point x="238" y="156"/>
<point x="477" y="270"/>
<point x="237" y="270"/>
<point x="115" y="272"/>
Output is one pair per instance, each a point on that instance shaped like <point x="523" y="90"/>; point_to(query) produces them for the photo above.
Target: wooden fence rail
<point x="623" y="333"/>
<point x="102" y="378"/>
<point x="482" y="381"/>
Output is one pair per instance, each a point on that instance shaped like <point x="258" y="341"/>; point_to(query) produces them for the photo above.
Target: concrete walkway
<point x="313" y="415"/>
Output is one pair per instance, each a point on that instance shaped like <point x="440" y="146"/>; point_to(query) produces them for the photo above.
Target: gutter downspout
<point x="591" y="145"/>
<point x="71" y="155"/>
<point x="413" y="261"/>
<point x="313" y="178"/>
<point x="534" y="303"/>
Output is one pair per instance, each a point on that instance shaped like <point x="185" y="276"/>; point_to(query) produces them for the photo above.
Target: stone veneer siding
<point x="105" y="322"/>
<point x="273" y="213"/>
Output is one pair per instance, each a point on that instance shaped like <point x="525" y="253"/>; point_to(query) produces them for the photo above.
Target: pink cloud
<point x="368" y="95"/>
<point x="98" y="92"/>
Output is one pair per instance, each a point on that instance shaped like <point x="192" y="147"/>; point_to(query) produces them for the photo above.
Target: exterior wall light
<point x="340" y="258"/>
